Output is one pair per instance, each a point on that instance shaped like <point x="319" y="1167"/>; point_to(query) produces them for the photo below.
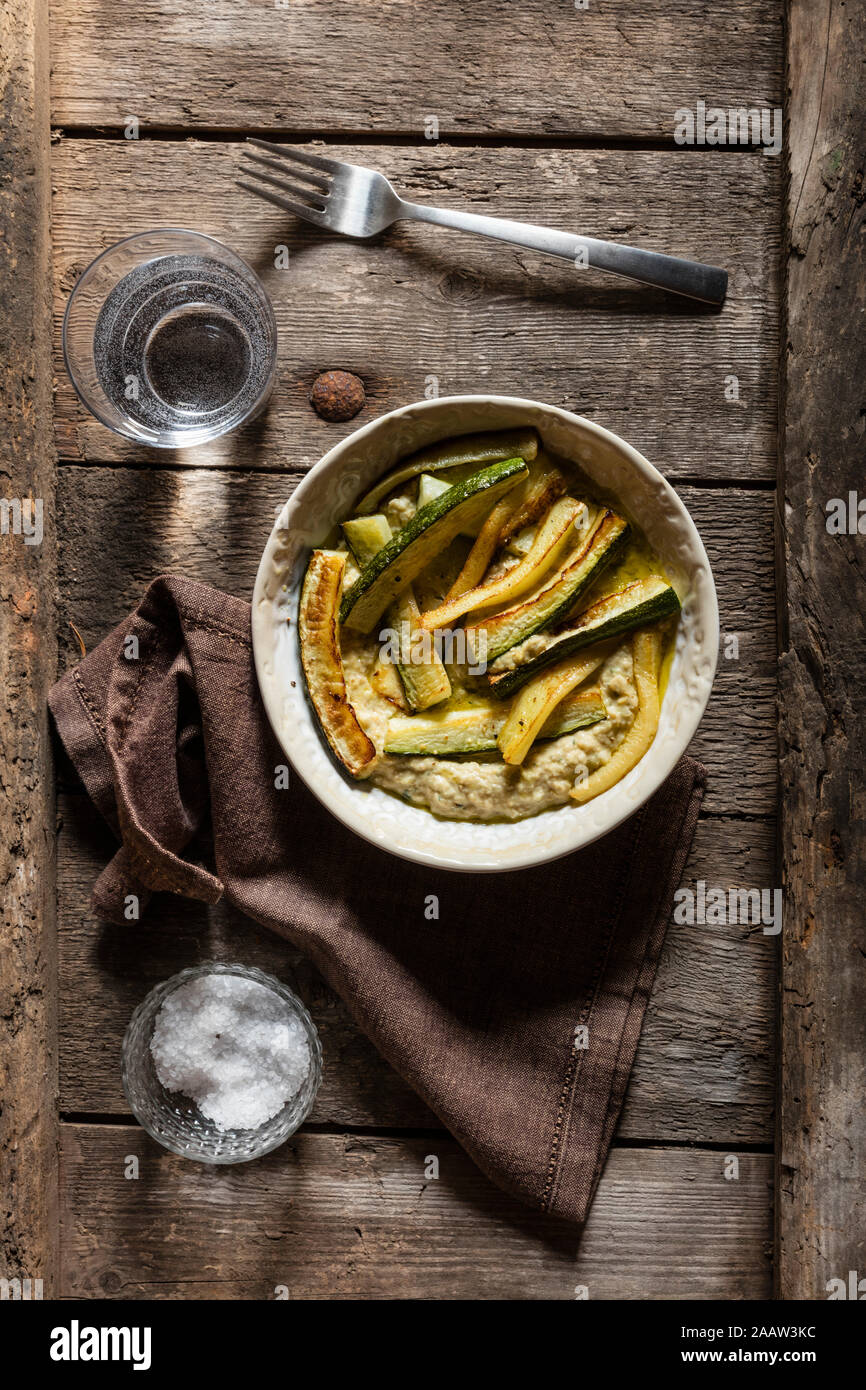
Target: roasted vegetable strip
<point x="432" y="528"/>
<point x="482" y="552"/>
<point x="555" y="533"/>
<point x="475" y="730"/>
<point x="516" y="512"/>
<point x="322" y="663"/>
<point x="603" y="543"/>
<point x="477" y="449"/>
<point x="646" y="652"/>
<point x="471" y="730"/>
<point x="425" y="682"/>
<point x="538" y="700"/>
<point x="385" y="680"/>
<point x="577" y="711"/>
<point x="540" y="496"/>
<point x="645" y="601"/>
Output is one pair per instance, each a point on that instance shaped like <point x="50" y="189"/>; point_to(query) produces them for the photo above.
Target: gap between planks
<point x="87" y="1117"/>
<point x="412" y="140"/>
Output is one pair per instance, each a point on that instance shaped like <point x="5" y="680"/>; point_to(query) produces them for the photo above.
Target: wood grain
<point x="354" y="1217"/>
<point x="122" y="527"/>
<point x="704" y="1070"/>
<point x="28" y="1060"/>
<point x="822" y="1152"/>
<point x="611" y="70"/>
<point x="423" y="302"/>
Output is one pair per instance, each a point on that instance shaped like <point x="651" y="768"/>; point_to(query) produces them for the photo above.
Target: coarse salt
<point x="233" y="1046"/>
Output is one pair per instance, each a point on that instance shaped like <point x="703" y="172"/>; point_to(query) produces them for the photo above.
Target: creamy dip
<point x="481" y="787"/>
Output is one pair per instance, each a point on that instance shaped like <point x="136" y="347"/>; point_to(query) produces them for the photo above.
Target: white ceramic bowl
<point x="325" y="497"/>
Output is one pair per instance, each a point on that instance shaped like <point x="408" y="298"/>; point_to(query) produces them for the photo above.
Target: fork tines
<point x="304" y="201"/>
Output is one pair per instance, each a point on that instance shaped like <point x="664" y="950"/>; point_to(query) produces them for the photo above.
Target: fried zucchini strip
<point x="323" y="665"/>
<point x="537" y="701"/>
<point x="426" y="682"/>
<point x="646" y="646"/>
<point x="554" y="534"/>
<point x="508" y="517"/>
<point x="542" y="493"/>
<point x="469" y="449"/>
<point x="482" y="552"/>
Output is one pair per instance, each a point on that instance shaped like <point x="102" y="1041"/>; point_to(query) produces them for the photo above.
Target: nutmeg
<point x="337" y="395"/>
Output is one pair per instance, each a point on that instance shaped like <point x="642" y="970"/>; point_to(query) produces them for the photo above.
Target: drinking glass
<point x="169" y="339"/>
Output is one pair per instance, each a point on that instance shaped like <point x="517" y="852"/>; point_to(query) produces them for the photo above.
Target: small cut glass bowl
<point x="175" y="1120"/>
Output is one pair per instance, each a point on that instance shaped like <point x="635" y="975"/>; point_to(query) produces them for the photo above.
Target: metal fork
<point x="358" y="202"/>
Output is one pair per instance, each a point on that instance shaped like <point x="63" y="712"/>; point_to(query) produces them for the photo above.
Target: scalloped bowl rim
<point x="325" y="496"/>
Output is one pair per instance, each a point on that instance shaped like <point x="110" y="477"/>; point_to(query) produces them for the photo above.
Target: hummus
<point x="478" y="786"/>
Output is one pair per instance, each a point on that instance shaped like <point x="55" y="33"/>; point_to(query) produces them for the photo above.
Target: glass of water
<point x="169" y="338"/>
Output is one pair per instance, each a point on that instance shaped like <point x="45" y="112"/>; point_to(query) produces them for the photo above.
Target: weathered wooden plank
<point x="704" y="1069"/>
<point x="28" y="1063"/>
<point x="424" y="302"/>
<point x="612" y="69"/>
<point x="122" y="527"/>
<point x="350" y="1217"/>
<point x="822" y="1149"/>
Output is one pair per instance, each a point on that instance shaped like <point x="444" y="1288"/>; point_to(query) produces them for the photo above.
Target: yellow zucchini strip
<point x="510" y="516"/>
<point x="323" y="665"/>
<point x="554" y="534"/>
<point x="386" y="682"/>
<point x="537" y="701"/>
<point x="646" y="648"/>
<point x="482" y="552"/>
<point x="542" y="493"/>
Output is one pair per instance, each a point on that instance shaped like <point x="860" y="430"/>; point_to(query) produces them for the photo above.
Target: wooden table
<point x="546" y="112"/>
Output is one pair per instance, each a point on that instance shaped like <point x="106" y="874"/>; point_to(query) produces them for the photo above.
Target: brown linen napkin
<point x="479" y="1009"/>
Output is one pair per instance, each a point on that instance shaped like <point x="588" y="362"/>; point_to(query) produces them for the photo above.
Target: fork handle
<point x="705" y="282"/>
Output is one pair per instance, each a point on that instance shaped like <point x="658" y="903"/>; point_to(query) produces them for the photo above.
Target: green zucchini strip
<point x="577" y="711"/>
<point x="502" y="631"/>
<point x="645" y="601"/>
<point x="426" y="682"/>
<point x="431" y="529"/>
<point x="476" y="729"/>
<point x="472" y="730"/>
<point x="323" y="665"/>
<point x="554" y="534"/>
<point x="454" y="453"/>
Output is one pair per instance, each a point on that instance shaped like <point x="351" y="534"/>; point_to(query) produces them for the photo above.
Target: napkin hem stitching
<point x="573" y="1067"/>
